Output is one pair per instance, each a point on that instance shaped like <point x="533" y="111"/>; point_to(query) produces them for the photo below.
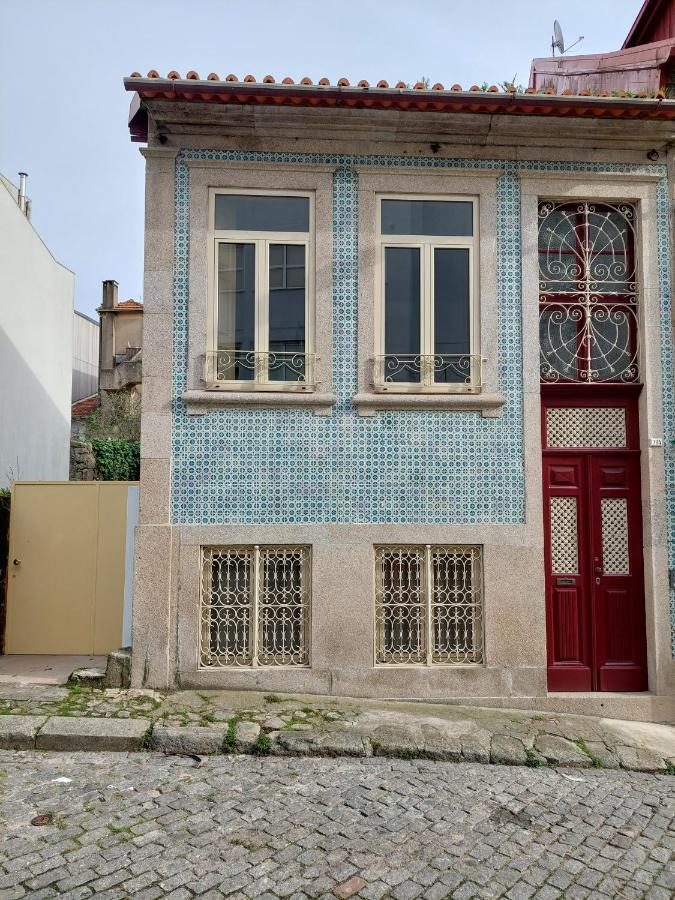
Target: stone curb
<point x="68" y="733"/>
<point x="78" y="733"/>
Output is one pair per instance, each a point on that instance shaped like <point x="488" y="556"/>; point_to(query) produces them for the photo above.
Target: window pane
<point x="452" y="364"/>
<point x="226" y="608"/>
<point x="287" y="313"/>
<point x="432" y="217"/>
<point x="400" y="605"/>
<point x="255" y="212"/>
<point x="402" y="314"/>
<point x="456" y="607"/>
<point x="236" y="311"/>
<point x="283" y="607"/>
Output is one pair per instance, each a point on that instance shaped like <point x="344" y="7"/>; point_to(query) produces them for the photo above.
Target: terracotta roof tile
<point x="84" y="407"/>
<point x="130" y="304"/>
<point x="173" y="75"/>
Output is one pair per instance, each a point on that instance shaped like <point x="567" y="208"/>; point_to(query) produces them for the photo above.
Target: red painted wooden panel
<point x="595" y="619"/>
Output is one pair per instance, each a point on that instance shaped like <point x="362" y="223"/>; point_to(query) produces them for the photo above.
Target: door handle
<point x="598" y="569"/>
<point x="16" y="561"/>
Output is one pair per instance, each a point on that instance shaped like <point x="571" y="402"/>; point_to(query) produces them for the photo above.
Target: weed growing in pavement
<point x="123" y="832"/>
<point x="595" y="760"/>
<point x="532" y="759"/>
<point x="230" y="740"/>
<point x="147" y="739"/>
<point x="262" y="745"/>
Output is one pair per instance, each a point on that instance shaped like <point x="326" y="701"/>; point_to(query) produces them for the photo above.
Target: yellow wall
<point x="65" y="593"/>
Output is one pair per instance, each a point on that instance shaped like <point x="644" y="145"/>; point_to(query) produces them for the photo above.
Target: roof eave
<point x="511" y="103"/>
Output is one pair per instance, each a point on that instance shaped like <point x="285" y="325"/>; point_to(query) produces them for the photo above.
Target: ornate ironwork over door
<point x="588" y="295"/>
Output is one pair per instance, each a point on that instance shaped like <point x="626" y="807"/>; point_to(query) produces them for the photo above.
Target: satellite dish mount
<point x="559" y="41"/>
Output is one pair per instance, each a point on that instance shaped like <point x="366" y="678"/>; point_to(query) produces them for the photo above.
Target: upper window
<point x="427" y="330"/>
<point x="263" y="277"/>
<point x="588" y="292"/>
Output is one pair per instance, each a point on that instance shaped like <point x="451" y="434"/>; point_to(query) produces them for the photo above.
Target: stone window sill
<point x="489" y="405"/>
<point x="198" y="403"/>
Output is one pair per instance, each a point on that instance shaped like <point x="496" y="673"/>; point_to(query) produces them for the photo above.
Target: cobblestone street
<point x="149" y="825"/>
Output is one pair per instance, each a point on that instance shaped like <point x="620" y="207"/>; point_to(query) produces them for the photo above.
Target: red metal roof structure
<point x="655" y="22"/>
<point x="641" y="69"/>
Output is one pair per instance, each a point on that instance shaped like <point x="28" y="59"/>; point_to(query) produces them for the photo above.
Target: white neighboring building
<point x="36" y="348"/>
<point x="85" y="356"/>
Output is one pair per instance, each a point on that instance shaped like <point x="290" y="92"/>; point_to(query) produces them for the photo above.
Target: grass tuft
<point x="595" y="760"/>
<point x="262" y="745"/>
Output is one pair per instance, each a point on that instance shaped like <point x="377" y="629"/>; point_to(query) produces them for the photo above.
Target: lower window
<point x="428" y="605"/>
<point x="255" y="606"/>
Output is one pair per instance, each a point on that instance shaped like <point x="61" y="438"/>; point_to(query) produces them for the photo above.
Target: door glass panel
<point x="236" y="312"/>
<point x="560" y="341"/>
<point x="614" y="516"/>
<point x="564" y="536"/>
<point x="287" y="274"/>
<point x="402" y="297"/>
<point x="428" y="217"/>
<point x="452" y="363"/>
<point x="256" y="212"/>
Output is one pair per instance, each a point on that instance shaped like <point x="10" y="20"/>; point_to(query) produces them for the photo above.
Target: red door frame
<point x="586" y="624"/>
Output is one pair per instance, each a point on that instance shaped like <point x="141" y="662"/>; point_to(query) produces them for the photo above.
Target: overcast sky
<point x="63" y="111"/>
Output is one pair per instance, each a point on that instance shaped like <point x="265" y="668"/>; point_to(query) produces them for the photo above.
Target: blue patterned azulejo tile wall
<point x="289" y="466"/>
<point x="281" y="466"/>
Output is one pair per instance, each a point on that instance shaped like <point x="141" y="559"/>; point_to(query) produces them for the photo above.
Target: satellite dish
<point x="559" y="41"/>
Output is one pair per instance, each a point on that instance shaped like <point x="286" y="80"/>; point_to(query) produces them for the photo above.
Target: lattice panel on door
<point x="586" y="426"/>
<point x="614" y="516"/>
<point x="564" y="536"/>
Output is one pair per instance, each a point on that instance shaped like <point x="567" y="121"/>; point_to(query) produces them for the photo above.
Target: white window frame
<point x="427" y="244"/>
<point x="262" y="241"/>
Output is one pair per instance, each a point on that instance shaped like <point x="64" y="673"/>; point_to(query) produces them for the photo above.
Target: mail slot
<point x="565" y="582"/>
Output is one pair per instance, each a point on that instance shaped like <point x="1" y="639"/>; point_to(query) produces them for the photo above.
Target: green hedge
<point x="118" y="460"/>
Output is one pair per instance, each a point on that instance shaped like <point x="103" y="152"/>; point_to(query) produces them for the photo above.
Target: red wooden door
<point x="620" y="653"/>
<point x="594" y="568"/>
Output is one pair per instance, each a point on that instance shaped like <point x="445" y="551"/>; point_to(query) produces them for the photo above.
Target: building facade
<point x="36" y="348"/>
<point x="121" y="341"/>
<point x="85" y="357"/>
<point x="408" y="400"/>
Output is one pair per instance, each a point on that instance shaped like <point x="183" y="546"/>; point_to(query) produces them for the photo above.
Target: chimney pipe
<point x="22" y="199"/>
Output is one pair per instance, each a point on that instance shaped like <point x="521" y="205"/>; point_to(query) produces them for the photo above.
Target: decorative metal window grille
<point x="588" y="292"/>
<point x="428" y="605"/>
<point x="614" y="516"/>
<point x="586" y="426"/>
<point x="564" y="536"/>
<point x="255" y="606"/>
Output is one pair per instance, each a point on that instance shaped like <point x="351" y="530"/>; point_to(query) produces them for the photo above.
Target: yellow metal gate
<point x="67" y="566"/>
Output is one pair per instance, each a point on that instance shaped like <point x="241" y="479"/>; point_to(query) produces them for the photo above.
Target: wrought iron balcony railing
<point x="442" y="372"/>
<point x="256" y="370"/>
